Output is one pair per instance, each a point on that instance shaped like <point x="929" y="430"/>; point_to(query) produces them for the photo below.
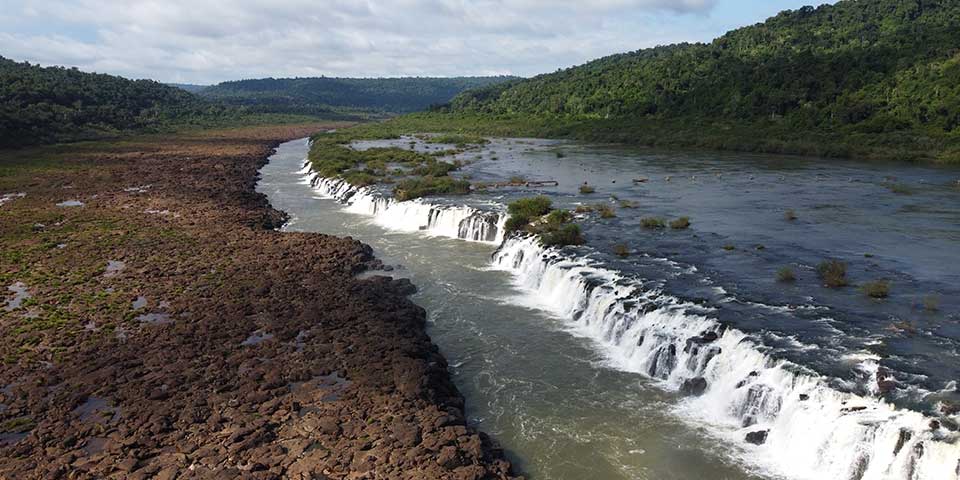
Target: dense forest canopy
<point x="48" y="104"/>
<point x="859" y="66"/>
<point x="322" y="94"/>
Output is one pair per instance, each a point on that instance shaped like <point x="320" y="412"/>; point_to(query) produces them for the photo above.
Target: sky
<point x="209" y="41"/>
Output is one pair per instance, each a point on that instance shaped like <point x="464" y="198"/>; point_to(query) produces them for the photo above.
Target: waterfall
<point x="786" y="418"/>
<point x="461" y="222"/>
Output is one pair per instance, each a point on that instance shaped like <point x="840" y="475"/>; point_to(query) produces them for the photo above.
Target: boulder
<point x="694" y="387"/>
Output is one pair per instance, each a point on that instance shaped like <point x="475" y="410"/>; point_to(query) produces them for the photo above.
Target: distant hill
<point x="56" y="104"/>
<point x="322" y="94"/>
<point x="190" y="87"/>
<point x="884" y="72"/>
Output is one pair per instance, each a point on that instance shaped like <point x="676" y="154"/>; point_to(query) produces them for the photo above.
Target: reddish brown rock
<point x="344" y="382"/>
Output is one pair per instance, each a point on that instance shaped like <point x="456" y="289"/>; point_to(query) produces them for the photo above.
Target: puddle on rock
<point x="257" y="338"/>
<point x="140" y="302"/>
<point x="322" y="388"/>
<point x="114" y="267"/>
<point x="299" y="342"/>
<point x="20" y="294"/>
<point x="7" y="197"/>
<point x="95" y="445"/>
<point x="97" y="410"/>
<point x="12" y="438"/>
<point x="137" y="189"/>
<point x="70" y="203"/>
<point x="155" y="318"/>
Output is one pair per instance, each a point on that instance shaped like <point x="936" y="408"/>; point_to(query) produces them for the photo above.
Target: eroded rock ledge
<point x="214" y="347"/>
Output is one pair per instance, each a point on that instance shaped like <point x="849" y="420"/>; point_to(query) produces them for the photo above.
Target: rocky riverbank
<point x="155" y="325"/>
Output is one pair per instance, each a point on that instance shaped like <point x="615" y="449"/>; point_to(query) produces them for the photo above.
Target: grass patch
<point x="605" y="211"/>
<point x="786" y="275"/>
<point x="652" y="222"/>
<point x="833" y="273"/>
<point x="729" y="247"/>
<point x="681" y="223"/>
<point x="931" y="303"/>
<point x="18" y="425"/>
<point x="583" y="209"/>
<point x="899" y="188"/>
<point x="876" y="289"/>
<point x="790" y="215"/>
<point x="621" y="250"/>
<point x="587" y="189"/>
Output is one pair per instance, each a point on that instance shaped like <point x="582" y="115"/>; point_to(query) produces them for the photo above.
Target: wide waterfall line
<point x="787" y="419"/>
<point x="460" y="222"/>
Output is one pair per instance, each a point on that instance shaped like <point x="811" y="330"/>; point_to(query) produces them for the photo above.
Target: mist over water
<point x="570" y="358"/>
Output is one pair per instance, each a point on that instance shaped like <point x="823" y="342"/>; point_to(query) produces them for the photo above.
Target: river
<point x="574" y="360"/>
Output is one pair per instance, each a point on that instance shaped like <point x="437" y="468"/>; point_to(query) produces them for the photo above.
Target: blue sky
<point x="207" y="41"/>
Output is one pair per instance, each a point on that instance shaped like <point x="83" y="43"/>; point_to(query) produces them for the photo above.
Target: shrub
<point x="606" y="211"/>
<point x="621" y="250"/>
<point x="931" y="303"/>
<point x="422" y="187"/>
<point x="833" y="273"/>
<point x="434" y="169"/>
<point x="876" y="289"/>
<point x="627" y="204"/>
<point x="459" y="139"/>
<point x="681" y="223"/>
<point x="530" y="207"/>
<point x="729" y="247"/>
<point x="516" y="224"/>
<point x="568" y="234"/>
<point x="360" y="179"/>
<point x="525" y="210"/>
<point x="786" y="275"/>
<point x="899" y="188"/>
<point x="587" y="189"/>
<point x="517" y="179"/>
<point x="652" y="222"/>
<point x="583" y="209"/>
<point x="790" y="215"/>
<point x="559" y="217"/>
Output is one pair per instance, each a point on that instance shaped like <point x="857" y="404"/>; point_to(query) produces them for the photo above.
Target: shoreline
<point x="190" y="341"/>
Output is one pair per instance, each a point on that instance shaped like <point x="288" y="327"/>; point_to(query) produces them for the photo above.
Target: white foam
<point x="814" y="431"/>
<point x="461" y="222"/>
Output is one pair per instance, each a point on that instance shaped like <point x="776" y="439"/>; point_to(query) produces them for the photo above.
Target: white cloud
<point x="212" y="40"/>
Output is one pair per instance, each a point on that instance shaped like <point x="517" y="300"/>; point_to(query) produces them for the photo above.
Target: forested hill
<point x="882" y="71"/>
<point x="55" y="104"/>
<point x="320" y="94"/>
